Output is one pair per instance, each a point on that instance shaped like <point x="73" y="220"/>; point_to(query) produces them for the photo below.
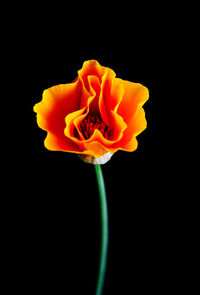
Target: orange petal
<point x="77" y="124"/>
<point x="105" y="95"/>
<point x="94" y="147"/>
<point x="71" y="127"/>
<point x="113" y="93"/>
<point x="55" y="143"/>
<point x="91" y="68"/>
<point x="135" y="127"/>
<point x="117" y="127"/>
<point x="57" y="102"/>
<point x="95" y="89"/>
<point x="85" y="95"/>
<point x="135" y="95"/>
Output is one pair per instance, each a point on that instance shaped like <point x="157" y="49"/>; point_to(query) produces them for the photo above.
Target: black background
<point x="52" y="218"/>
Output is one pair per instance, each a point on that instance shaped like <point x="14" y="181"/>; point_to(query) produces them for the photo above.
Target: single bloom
<point x="94" y="116"/>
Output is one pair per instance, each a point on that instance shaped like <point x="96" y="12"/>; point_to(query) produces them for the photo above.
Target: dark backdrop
<point x="52" y="218"/>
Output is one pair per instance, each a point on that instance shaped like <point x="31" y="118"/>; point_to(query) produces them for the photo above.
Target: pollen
<point x="92" y="122"/>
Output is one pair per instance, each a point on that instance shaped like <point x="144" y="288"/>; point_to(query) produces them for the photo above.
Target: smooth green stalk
<point x="104" y="230"/>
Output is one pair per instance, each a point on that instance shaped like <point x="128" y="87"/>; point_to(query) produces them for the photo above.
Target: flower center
<point x="92" y="122"/>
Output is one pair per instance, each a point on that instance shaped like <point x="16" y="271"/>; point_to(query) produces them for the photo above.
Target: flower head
<point x="94" y="116"/>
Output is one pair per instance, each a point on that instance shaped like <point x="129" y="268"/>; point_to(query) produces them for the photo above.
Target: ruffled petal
<point x="55" y="143"/>
<point x="95" y="146"/>
<point x="130" y="108"/>
<point x="95" y="89"/>
<point x="104" y="96"/>
<point x="135" y="127"/>
<point x="91" y="68"/>
<point x="85" y="95"/>
<point x="95" y="149"/>
<point x="56" y="103"/>
<point x="113" y="93"/>
<point x="71" y="130"/>
<point x="135" y="95"/>
<point x="117" y="127"/>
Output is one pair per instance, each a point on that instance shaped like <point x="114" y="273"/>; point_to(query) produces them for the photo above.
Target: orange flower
<point x="94" y="116"/>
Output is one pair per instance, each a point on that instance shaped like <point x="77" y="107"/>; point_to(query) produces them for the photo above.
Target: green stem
<point x="104" y="230"/>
